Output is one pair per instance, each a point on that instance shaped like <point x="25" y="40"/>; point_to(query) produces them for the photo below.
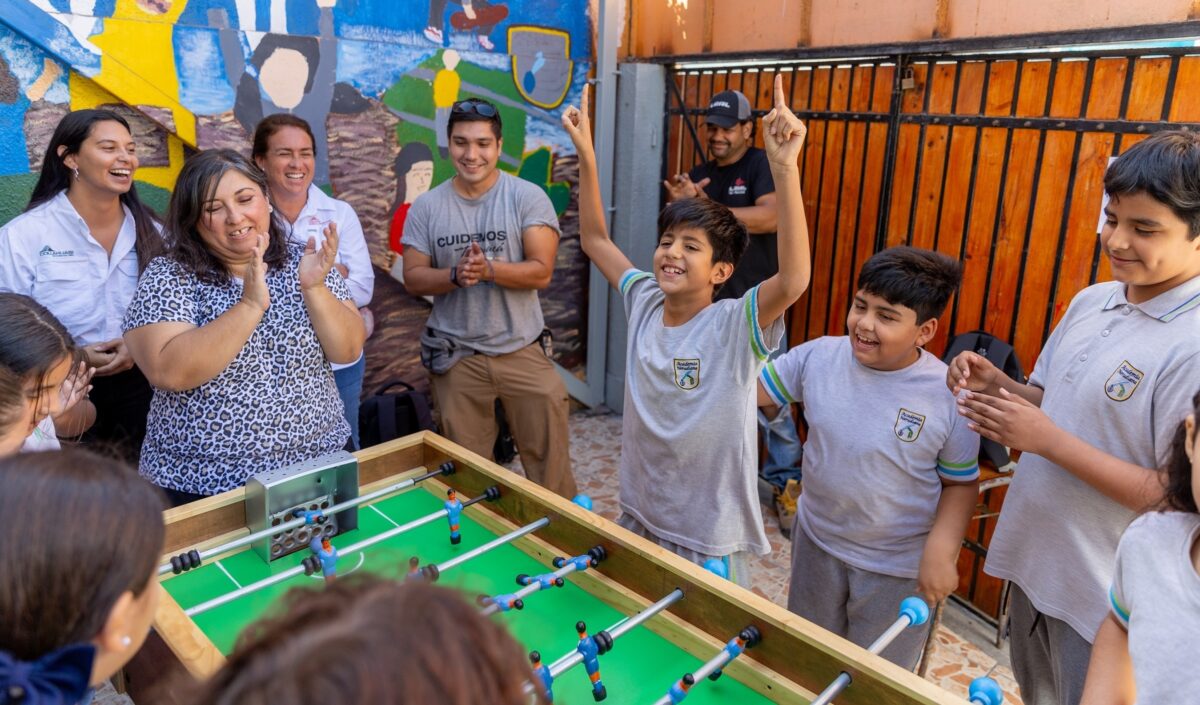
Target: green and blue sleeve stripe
<point x="630" y="278"/>
<point x="1121" y="611"/>
<point x="771" y="382"/>
<point x="756" y="338"/>
<point x="968" y="470"/>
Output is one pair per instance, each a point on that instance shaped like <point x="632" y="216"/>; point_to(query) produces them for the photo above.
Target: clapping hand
<point x="783" y="132"/>
<point x="254" y="283"/>
<point x="315" y="264"/>
<point x="682" y="187"/>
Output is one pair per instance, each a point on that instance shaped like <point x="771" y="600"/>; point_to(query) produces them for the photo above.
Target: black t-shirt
<point x="739" y="185"/>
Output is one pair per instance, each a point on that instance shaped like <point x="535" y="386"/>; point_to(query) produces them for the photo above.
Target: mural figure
<point x="414" y="174"/>
<point x="446" y="84"/>
<point x="479" y="16"/>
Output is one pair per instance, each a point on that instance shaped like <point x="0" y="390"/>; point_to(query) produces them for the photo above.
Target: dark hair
<point x="81" y="530"/>
<point x="32" y="340"/>
<point x="1177" y="473"/>
<point x="1166" y="167"/>
<point x="467" y="110"/>
<point x="196" y="185"/>
<point x="409" y="155"/>
<point x="368" y="640"/>
<point x="922" y="280"/>
<point x="268" y="126"/>
<point x="726" y="234"/>
<point x="12" y="398"/>
<point x="55" y="177"/>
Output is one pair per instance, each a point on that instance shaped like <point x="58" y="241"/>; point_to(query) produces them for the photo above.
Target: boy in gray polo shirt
<point x="890" y="468"/>
<point x="688" y="443"/>
<point x="1097" y="417"/>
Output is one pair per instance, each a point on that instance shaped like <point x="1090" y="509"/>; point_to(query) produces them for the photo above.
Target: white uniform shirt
<point x="50" y="255"/>
<point x="320" y="211"/>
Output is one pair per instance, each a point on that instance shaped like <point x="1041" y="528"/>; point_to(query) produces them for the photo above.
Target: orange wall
<point x="663" y="27"/>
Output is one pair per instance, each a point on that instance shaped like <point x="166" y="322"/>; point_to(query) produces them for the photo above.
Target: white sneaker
<point x="433" y="34"/>
<point x="485" y="42"/>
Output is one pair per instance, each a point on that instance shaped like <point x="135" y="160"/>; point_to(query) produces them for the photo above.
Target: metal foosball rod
<point x="534" y="583"/>
<point x="913" y="612"/>
<point x="746" y="639"/>
<point x="193" y="558"/>
<point x="491" y="493"/>
<point x="432" y="571"/>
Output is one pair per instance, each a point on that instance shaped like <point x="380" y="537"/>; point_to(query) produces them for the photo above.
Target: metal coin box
<point x="273" y="497"/>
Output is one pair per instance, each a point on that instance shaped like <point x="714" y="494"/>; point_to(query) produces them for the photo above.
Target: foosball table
<point x="605" y="614"/>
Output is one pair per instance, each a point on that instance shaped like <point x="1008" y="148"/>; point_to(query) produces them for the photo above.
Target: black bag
<point x="386" y="414"/>
<point x="1000" y="354"/>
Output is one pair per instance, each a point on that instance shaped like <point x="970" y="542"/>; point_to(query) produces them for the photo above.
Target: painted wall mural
<point x="374" y="78"/>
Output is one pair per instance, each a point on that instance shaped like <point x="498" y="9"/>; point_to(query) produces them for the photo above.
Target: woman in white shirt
<point x="78" y="250"/>
<point x="285" y="149"/>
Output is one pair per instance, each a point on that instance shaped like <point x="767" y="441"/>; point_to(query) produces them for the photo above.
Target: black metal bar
<point x="937" y="223"/>
<point x="812" y="76"/>
<point x="1169" y="98"/>
<point x="987" y="290"/>
<point x="889" y="162"/>
<point x="814" y="232"/>
<point x="696" y="143"/>
<point x="916" y="185"/>
<point x="837" y="213"/>
<point x="966" y="226"/>
<point x="1117" y="126"/>
<point x="1071" y="38"/>
<point x="1036" y="188"/>
<point x="862" y="175"/>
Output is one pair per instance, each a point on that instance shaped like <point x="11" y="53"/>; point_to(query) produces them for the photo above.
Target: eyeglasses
<point x="479" y="107"/>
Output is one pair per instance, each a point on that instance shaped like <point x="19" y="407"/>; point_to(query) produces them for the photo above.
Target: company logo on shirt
<point x="49" y="251"/>
<point x="909" y="425"/>
<point x="1122" y="383"/>
<point x="738" y="187"/>
<point x="467" y="238"/>
<point x="687" y="373"/>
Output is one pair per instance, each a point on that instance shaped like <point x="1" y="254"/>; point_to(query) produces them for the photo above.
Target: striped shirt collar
<point x="1167" y="306"/>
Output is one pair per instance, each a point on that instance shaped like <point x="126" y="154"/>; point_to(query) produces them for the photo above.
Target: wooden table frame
<point x="795" y="659"/>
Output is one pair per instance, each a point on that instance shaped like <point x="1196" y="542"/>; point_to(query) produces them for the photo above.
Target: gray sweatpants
<point x="850" y="602"/>
<point x="738" y="564"/>
<point x="1049" y="658"/>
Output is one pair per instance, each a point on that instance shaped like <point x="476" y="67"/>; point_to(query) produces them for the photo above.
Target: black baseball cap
<point x="727" y="109"/>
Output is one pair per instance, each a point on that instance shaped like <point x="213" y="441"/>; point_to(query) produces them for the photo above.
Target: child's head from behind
<point x="1182" y="476"/>
<point x="901" y="292"/>
<point x="366" y="640"/>
<point x="1151" y="233"/>
<point x="15" y="412"/>
<point x="36" y="348"/>
<point x="700" y="243"/>
<point x="84" y="535"/>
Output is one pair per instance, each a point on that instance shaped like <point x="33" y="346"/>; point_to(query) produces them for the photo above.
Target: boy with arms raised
<point x="1097" y="418"/>
<point x="891" y="471"/>
<point x="689" y="447"/>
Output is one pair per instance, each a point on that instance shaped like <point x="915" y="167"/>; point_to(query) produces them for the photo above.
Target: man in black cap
<point x="737" y="175"/>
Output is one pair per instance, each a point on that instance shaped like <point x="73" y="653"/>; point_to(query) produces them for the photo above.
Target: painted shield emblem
<point x="908" y="425"/>
<point x="687" y="373"/>
<point x="541" y="64"/>
<point x="1122" y="383"/>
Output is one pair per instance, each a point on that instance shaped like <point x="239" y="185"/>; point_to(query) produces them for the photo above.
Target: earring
<point x="126" y="641"/>
<point x="270" y="208"/>
<point x="76" y="173"/>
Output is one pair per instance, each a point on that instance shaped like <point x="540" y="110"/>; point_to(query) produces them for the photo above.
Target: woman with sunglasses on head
<point x="482" y="244"/>
<point x="78" y="250"/>
<point x="285" y="149"/>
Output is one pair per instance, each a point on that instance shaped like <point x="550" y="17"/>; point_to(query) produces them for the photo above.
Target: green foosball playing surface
<point x="639" y="669"/>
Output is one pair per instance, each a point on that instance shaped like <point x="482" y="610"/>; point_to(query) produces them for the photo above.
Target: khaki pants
<point x="535" y="404"/>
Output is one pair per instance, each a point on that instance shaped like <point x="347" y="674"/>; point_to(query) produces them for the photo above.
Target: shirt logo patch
<point x="1122" y="383"/>
<point x="687" y="373"/>
<point x="738" y="187"/>
<point x="48" y="251"/>
<point x="908" y="425"/>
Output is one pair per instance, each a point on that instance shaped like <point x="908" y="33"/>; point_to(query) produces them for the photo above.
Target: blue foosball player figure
<point x="454" y="509"/>
<point x="327" y="555"/>
<point x="542" y="671"/>
<point x="590" y="652"/>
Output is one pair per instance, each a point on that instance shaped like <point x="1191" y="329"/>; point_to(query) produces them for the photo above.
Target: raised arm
<point x="783" y="136"/>
<point x="593" y="231"/>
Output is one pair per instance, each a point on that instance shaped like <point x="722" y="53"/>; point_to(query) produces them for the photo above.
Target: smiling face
<point x="289" y="163"/>
<point x="475" y="152"/>
<point x="683" y="262"/>
<point x="106" y="160"/>
<point x="417" y="180"/>
<point x="231" y="219"/>
<point x="883" y="335"/>
<point x="726" y="145"/>
<point x="1147" y="246"/>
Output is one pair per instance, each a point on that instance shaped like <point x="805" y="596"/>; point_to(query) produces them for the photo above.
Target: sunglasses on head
<point x="478" y="107"/>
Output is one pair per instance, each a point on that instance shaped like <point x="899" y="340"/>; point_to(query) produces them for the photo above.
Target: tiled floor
<point x="595" y="449"/>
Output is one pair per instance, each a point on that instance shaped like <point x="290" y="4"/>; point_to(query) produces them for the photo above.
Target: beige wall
<point x="661" y="27"/>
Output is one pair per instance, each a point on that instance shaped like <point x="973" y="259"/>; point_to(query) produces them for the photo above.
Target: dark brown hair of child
<point x="81" y="530"/>
<point x="1177" y="473"/>
<point x="365" y="640"/>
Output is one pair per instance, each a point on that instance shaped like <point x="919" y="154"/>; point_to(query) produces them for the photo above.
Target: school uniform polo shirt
<point x="1120" y="376"/>
<point x="319" y="211"/>
<point x="49" y="254"/>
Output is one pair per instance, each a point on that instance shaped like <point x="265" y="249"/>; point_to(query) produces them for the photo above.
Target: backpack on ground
<point x="1000" y="354"/>
<point x="391" y="414"/>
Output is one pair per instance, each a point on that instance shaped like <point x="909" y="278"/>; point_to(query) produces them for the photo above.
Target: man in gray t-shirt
<point x="482" y="244"/>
